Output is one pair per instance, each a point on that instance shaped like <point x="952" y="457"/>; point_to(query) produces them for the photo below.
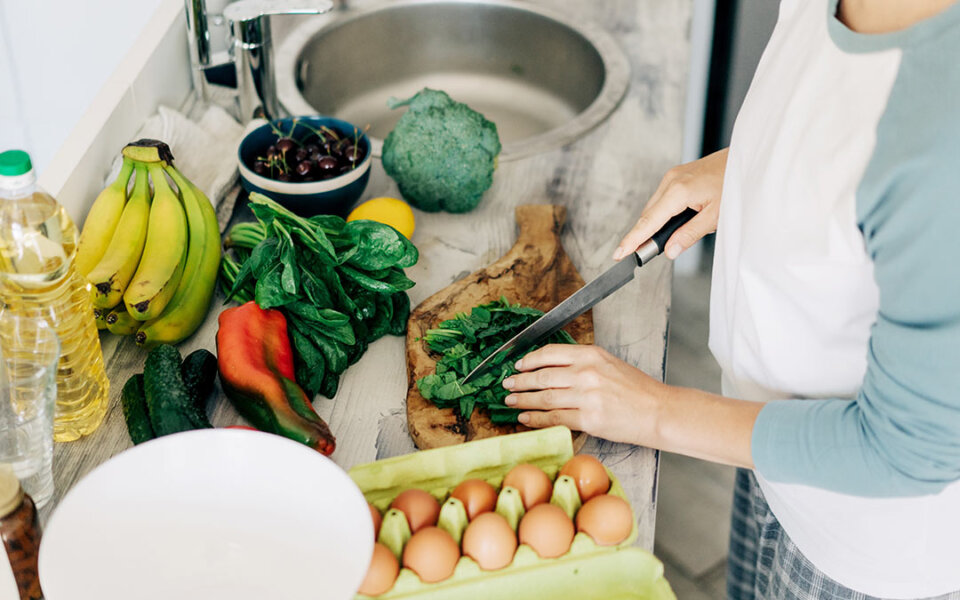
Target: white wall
<point x="55" y="55"/>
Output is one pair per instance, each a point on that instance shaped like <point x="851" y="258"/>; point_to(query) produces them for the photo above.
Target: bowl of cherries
<point x="311" y="165"/>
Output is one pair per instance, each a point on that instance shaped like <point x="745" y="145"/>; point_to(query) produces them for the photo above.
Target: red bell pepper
<point x="256" y="369"/>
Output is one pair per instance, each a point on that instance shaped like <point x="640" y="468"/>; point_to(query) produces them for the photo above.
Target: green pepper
<point x="255" y="361"/>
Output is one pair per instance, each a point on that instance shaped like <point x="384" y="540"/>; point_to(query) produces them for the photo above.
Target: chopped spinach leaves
<point x="462" y="343"/>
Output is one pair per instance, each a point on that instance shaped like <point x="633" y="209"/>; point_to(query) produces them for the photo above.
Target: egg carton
<point x="587" y="571"/>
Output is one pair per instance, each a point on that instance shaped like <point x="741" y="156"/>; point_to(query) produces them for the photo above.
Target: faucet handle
<point x="249" y="10"/>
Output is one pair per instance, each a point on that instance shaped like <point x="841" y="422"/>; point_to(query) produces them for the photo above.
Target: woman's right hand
<point x="695" y="185"/>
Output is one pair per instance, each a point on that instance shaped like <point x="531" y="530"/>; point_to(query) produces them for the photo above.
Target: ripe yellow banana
<point x="102" y="221"/>
<point x="120" y="322"/>
<point x="190" y="303"/>
<point x="112" y="274"/>
<point x="161" y="265"/>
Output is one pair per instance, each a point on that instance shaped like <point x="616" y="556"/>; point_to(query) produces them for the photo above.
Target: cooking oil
<point x="38" y="242"/>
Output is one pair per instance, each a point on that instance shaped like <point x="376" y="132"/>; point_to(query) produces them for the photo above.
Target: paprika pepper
<point x="255" y="361"/>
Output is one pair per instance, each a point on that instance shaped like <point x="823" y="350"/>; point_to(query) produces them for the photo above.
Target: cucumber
<point x="199" y="371"/>
<point x="135" y="410"/>
<point x="169" y="403"/>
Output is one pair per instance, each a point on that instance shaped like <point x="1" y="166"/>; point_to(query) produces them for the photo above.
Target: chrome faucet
<point x="250" y="50"/>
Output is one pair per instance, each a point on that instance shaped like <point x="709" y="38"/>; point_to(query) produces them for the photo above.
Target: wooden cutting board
<point x="535" y="272"/>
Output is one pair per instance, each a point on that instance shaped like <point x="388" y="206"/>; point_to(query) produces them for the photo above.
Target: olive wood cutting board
<point x="535" y="272"/>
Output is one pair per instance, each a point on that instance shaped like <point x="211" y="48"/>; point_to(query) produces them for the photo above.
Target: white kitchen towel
<point x="204" y="150"/>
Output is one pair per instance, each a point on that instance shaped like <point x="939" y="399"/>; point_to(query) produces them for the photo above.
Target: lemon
<point x="389" y="211"/>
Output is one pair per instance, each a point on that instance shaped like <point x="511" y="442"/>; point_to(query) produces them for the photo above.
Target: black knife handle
<point x="658" y="241"/>
<point x="670" y="227"/>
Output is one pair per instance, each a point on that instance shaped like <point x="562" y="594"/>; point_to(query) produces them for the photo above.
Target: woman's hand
<point x="587" y="389"/>
<point x="695" y="185"/>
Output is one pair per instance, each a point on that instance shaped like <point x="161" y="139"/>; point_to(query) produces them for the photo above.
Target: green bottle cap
<point x="14" y="162"/>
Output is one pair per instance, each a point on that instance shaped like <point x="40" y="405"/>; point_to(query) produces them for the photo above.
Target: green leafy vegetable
<point x="441" y="153"/>
<point x="340" y="285"/>
<point x="462" y="343"/>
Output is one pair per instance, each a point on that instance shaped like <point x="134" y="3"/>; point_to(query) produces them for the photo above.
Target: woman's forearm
<point x="704" y="425"/>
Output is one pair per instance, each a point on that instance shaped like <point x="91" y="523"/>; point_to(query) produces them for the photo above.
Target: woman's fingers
<point x="704" y="223"/>
<point x="544" y="399"/>
<point x="541" y="379"/>
<point x="568" y="418"/>
<point x="657" y="212"/>
<point x="554" y="355"/>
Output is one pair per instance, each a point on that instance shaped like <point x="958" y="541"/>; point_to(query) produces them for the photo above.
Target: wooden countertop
<point x="603" y="179"/>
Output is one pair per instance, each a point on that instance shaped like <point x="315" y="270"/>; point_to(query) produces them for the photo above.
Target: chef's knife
<point x="580" y="301"/>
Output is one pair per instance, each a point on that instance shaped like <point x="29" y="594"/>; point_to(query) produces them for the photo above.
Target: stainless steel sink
<point x="541" y="77"/>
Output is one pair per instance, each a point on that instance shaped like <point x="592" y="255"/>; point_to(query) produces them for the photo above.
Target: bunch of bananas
<point x="151" y="259"/>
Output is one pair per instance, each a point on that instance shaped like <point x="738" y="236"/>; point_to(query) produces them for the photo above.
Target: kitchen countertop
<point x="603" y="179"/>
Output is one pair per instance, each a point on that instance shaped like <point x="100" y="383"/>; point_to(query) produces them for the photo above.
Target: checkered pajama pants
<point x="763" y="562"/>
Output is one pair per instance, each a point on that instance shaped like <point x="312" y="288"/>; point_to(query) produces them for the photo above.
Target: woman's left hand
<point x="587" y="389"/>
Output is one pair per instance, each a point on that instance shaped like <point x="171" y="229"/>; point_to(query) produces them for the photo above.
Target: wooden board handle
<point x="539" y="221"/>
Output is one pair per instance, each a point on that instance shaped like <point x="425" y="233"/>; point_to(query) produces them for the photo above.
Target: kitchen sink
<point x="542" y="78"/>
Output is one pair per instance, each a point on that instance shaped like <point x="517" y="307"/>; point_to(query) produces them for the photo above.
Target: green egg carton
<point x="586" y="572"/>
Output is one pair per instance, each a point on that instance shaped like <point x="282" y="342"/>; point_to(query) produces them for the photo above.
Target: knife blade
<point x="583" y="299"/>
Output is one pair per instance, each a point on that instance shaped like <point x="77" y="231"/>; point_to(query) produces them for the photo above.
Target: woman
<point x="835" y="314"/>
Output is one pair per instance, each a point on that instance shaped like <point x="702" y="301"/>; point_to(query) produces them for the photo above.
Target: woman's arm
<point x="899" y="437"/>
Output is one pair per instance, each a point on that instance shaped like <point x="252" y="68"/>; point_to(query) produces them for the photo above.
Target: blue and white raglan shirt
<point x="836" y="294"/>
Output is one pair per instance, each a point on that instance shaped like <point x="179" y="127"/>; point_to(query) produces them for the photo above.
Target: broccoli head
<point x="442" y="153"/>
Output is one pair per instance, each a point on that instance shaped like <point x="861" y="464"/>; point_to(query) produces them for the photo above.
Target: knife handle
<point x="658" y="241"/>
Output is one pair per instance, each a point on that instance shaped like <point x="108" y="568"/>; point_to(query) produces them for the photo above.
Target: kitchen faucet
<point x="250" y="50"/>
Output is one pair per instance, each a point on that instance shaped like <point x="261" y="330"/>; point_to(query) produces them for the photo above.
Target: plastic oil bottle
<point x="38" y="242"/>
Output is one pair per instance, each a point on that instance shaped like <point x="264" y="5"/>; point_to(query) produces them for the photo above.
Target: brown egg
<point x="421" y="508"/>
<point x="547" y="529"/>
<point x="377" y="519"/>
<point x="382" y="572"/>
<point x="477" y="496"/>
<point x="432" y="554"/>
<point x="532" y="483"/>
<point x="607" y="519"/>
<point x="588" y="473"/>
<point x="490" y="541"/>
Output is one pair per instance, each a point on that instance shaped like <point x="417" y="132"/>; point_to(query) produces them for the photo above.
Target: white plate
<point x="209" y="514"/>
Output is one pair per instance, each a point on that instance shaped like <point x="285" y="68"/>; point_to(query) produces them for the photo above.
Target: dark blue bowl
<point x="331" y="196"/>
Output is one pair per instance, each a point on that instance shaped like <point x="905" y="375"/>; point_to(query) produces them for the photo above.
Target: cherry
<point x="352" y="154"/>
<point x="285" y="145"/>
<point x="327" y="164"/>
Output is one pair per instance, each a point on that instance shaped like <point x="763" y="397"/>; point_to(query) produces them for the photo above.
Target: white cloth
<point x="205" y="150"/>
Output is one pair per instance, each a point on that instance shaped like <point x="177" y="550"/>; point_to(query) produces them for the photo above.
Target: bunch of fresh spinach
<point x="340" y="285"/>
<point x="467" y="339"/>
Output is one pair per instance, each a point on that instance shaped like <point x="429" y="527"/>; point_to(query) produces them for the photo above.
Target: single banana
<point x="100" y="316"/>
<point x="119" y="322"/>
<point x="190" y="303"/>
<point x="161" y="265"/>
<point x="112" y="274"/>
<point x="102" y="221"/>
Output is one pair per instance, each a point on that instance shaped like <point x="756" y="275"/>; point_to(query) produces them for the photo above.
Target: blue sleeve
<point x="901" y="435"/>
